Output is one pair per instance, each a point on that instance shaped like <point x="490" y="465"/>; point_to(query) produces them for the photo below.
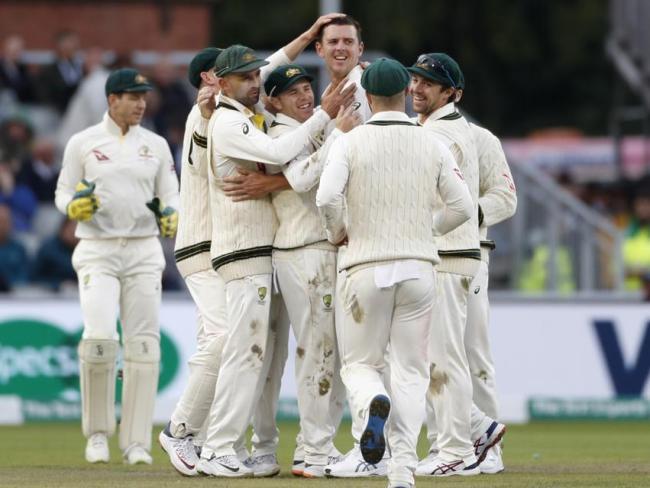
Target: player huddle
<point x="361" y="229"/>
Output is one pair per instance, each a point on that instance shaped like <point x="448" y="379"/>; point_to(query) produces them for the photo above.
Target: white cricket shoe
<point x="493" y="462"/>
<point x="263" y="466"/>
<point x="298" y="467"/>
<point x="227" y="466"/>
<point x="434" y="466"/>
<point x="136" y="454"/>
<point x="181" y="452"/>
<point x="354" y="466"/>
<point x="314" y="471"/>
<point x="97" y="448"/>
<point x="491" y="437"/>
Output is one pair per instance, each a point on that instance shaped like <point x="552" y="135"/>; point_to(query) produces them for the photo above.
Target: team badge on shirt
<point x="327" y="301"/>
<point x="261" y="293"/>
<point x="145" y="152"/>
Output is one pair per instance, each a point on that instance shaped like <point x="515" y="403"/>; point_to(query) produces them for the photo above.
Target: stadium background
<point x="564" y="84"/>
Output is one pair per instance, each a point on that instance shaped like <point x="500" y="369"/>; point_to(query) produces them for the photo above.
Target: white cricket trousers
<point x="209" y="294"/>
<point x="449" y="397"/>
<point x="374" y="319"/>
<point x="123" y="274"/>
<point x="477" y="344"/>
<point x="248" y="303"/>
<point x="307" y="280"/>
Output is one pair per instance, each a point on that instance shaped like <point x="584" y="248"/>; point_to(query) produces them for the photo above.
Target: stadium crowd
<point x="41" y="106"/>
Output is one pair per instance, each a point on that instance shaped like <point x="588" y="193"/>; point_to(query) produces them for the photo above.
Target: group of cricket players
<point x="361" y="229"/>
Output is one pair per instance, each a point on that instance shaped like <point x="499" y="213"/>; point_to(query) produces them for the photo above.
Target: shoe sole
<point x="267" y="474"/>
<point x="184" y="470"/>
<point x="373" y="441"/>
<point x="297" y="472"/>
<point x="494" y="442"/>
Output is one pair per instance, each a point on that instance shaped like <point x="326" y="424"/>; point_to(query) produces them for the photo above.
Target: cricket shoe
<point x="227" y="466"/>
<point x="491" y="437"/>
<point x="434" y="466"/>
<point x="315" y="471"/>
<point x="136" y="454"/>
<point x="354" y="466"/>
<point x="97" y="449"/>
<point x="181" y="452"/>
<point x="373" y="441"/>
<point x="493" y="462"/>
<point x="263" y="466"/>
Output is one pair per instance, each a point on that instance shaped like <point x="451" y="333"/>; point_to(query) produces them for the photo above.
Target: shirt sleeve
<point x="72" y="171"/>
<point x="303" y="174"/>
<point x="497" y="192"/>
<point x="453" y="191"/>
<point x="198" y="152"/>
<point x="166" y="187"/>
<point x="330" y="198"/>
<point x="240" y="139"/>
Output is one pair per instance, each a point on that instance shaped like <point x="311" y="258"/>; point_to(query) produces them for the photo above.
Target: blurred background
<point x="565" y="85"/>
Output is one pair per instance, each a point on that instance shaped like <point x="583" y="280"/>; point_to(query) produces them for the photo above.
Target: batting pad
<point x="194" y="405"/>
<point x="97" y="383"/>
<point x="141" y="365"/>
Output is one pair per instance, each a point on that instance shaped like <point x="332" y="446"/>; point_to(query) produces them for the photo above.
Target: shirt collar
<point x="390" y="115"/>
<point x="443" y="111"/>
<point x="113" y="128"/>
<point x="241" y="108"/>
<point x="286" y="120"/>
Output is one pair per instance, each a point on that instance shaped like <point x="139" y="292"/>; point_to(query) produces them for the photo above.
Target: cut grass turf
<point x="548" y="454"/>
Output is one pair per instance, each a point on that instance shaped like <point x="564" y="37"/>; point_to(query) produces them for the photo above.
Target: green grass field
<point x="539" y="454"/>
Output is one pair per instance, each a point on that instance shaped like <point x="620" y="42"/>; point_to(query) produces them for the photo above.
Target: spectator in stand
<point x="18" y="197"/>
<point x="636" y="246"/>
<point x="14" y="74"/>
<point x="59" y="80"/>
<point x="175" y="103"/>
<point x="53" y="263"/>
<point x="88" y="104"/>
<point x="40" y="171"/>
<point x="16" y="135"/>
<point x="14" y="265"/>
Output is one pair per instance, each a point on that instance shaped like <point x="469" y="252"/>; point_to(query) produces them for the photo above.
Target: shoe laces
<point x="97" y="440"/>
<point x="185" y="448"/>
<point x="229" y="460"/>
<point x="265" y="459"/>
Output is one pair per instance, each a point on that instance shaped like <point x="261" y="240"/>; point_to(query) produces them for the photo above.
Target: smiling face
<point x="243" y="87"/>
<point x="128" y="108"/>
<point x="296" y="102"/>
<point x="428" y="96"/>
<point x="340" y="48"/>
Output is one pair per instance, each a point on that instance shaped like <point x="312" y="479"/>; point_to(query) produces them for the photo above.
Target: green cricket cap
<point x="237" y="59"/>
<point x="203" y="61"/>
<point x="439" y="67"/>
<point x="126" y="80"/>
<point x="385" y="77"/>
<point x="283" y="77"/>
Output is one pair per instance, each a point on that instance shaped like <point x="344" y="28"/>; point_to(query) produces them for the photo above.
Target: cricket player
<point x="498" y="202"/>
<point x="457" y="422"/>
<point x="242" y="239"/>
<point x="118" y="182"/>
<point x="378" y="192"/>
<point x="192" y="254"/>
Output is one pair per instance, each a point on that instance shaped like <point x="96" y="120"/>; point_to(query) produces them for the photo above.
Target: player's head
<point x="200" y="72"/>
<point x="386" y="83"/>
<point x="238" y="69"/>
<point x="290" y="93"/>
<point x="339" y="44"/>
<point x="126" y="90"/>
<point x="435" y="78"/>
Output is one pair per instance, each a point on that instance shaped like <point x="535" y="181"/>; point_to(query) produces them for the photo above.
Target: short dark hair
<point x="345" y="20"/>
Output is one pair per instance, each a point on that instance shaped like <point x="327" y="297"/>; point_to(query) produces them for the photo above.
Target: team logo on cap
<point x="139" y="79"/>
<point x="248" y="57"/>
<point x="291" y="72"/>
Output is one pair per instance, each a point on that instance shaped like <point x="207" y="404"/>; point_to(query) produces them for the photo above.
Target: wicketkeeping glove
<point x="84" y="203"/>
<point x="166" y="217"/>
